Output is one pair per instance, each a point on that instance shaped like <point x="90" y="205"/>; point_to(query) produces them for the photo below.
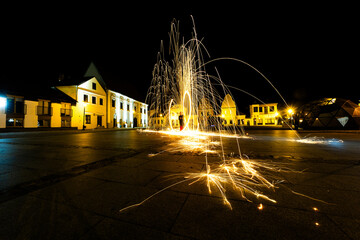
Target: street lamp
<point x="290" y="113"/>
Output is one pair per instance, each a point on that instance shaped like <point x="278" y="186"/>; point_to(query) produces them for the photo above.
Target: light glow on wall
<point x="2" y="102"/>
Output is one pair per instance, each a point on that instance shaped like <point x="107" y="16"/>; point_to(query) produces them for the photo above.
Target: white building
<point x="125" y="112"/>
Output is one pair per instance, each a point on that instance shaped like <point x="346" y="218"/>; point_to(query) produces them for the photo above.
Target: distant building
<point x="83" y="103"/>
<point x="263" y="114"/>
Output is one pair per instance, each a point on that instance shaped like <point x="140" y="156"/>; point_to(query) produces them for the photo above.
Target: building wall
<point x="89" y="113"/>
<point x="31" y="118"/>
<point x="228" y="111"/>
<point x="264" y="114"/>
<point x="56" y="116"/>
<point x="123" y="113"/>
<point x="2" y="112"/>
<point x="99" y="112"/>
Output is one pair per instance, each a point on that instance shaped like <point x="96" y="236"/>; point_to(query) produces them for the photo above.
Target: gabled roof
<point x="45" y="93"/>
<point x="73" y="81"/>
<point x="92" y="71"/>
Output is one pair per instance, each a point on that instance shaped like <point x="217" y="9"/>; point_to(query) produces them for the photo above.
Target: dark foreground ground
<point x="71" y="185"/>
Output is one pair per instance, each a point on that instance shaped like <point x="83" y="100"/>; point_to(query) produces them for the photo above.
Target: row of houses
<point x="83" y="103"/>
<point x="260" y="115"/>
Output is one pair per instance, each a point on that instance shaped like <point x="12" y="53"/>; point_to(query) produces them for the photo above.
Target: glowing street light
<point x="290" y="111"/>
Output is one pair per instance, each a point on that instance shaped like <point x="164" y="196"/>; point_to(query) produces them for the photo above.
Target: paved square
<point x="72" y="184"/>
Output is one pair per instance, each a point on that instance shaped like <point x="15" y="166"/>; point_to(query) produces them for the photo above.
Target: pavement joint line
<point x="178" y="213"/>
<point x="51" y="179"/>
<point x="337" y="225"/>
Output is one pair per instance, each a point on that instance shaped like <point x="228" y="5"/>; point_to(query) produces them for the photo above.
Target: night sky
<point x="307" y="51"/>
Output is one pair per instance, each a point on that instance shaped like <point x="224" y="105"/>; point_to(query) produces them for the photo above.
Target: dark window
<point x="266" y="110"/>
<point x="113" y="103"/>
<point x="88" y="119"/>
<point x="94" y="86"/>
<point x="128" y="107"/>
<point x="86" y="98"/>
<point x="101" y="101"/>
<point x="271" y="108"/>
<point x="231" y="122"/>
<point x="256" y="109"/>
<point x="260" y="109"/>
<point x="10" y="105"/>
<point x="93" y="100"/>
<point x="121" y="105"/>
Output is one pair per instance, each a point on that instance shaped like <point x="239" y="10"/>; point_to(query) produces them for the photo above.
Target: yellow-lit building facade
<point x="263" y="115"/>
<point x="81" y="104"/>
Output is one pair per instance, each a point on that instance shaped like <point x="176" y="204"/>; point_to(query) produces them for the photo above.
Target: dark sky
<point x="307" y="51"/>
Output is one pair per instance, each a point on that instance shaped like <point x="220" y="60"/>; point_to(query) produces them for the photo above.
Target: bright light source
<point x="276" y="114"/>
<point x="290" y="111"/>
<point x="2" y="102"/>
<point x="223" y="116"/>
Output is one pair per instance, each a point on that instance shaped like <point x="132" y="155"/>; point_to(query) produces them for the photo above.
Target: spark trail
<point x="182" y="86"/>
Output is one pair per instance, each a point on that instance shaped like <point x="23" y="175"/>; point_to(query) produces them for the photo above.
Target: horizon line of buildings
<point x="83" y="103"/>
<point x="260" y="115"/>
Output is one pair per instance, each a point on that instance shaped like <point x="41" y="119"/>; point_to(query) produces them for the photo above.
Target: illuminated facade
<point x="80" y="104"/>
<point x="125" y="112"/>
<point x="263" y="115"/>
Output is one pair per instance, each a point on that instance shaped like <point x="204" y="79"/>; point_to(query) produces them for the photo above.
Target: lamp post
<point x="290" y="112"/>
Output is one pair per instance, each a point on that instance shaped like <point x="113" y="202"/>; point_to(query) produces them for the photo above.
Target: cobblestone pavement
<point x="72" y="184"/>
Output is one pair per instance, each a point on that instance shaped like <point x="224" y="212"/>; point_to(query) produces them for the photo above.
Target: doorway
<point x="99" y="121"/>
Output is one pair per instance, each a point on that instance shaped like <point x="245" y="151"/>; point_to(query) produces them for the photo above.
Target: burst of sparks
<point x="182" y="87"/>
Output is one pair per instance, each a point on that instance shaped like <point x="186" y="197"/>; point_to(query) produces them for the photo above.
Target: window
<point x="88" y="119"/>
<point x="271" y="108"/>
<point x="15" y="105"/>
<point x="260" y="109"/>
<point x="113" y="102"/>
<point x="128" y="107"/>
<point x="94" y="86"/>
<point x="135" y="108"/>
<point x="101" y="101"/>
<point x="93" y="100"/>
<point x="266" y="110"/>
<point x="256" y="109"/>
<point x="86" y="98"/>
<point x="231" y="122"/>
<point x="121" y="106"/>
